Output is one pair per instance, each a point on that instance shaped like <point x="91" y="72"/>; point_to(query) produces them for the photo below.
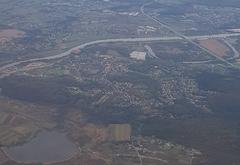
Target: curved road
<point x="178" y="37"/>
<point x="235" y="52"/>
<point x="184" y="37"/>
<point x="82" y="46"/>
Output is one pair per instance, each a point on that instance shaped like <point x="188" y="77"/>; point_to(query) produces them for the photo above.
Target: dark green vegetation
<point x="159" y="97"/>
<point x="38" y="90"/>
<point x="181" y="102"/>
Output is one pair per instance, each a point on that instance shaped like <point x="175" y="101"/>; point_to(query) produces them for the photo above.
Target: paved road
<point x="143" y="157"/>
<point x="236" y="53"/>
<point x="178" y="37"/>
<point x="184" y="37"/>
<point x="150" y="52"/>
<point x="82" y="46"/>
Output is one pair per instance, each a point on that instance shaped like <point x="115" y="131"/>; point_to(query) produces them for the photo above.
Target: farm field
<point x="216" y="46"/>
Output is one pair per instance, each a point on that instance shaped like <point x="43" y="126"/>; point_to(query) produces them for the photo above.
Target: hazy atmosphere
<point x="119" y="82"/>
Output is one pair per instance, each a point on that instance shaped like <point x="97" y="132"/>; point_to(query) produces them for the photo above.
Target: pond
<point x="45" y="147"/>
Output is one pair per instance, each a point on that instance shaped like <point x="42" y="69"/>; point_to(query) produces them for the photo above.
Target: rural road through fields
<point x="82" y="46"/>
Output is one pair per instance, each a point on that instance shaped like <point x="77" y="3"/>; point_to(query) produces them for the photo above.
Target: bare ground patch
<point x="215" y="46"/>
<point x="9" y="34"/>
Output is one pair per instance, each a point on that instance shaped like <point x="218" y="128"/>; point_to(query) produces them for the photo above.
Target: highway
<point x="236" y="53"/>
<point x="150" y="39"/>
<point x="178" y="36"/>
<point x="186" y="38"/>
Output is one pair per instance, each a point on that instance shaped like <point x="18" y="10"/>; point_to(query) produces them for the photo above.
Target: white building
<point x="138" y="55"/>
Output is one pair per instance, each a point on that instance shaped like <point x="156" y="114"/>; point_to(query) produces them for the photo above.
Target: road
<point x="150" y="39"/>
<point x="184" y="37"/>
<point x="138" y="154"/>
<point x="143" y="157"/>
<point x="198" y="62"/>
<point x="179" y="36"/>
<point x="236" y="53"/>
<point x="150" y="52"/>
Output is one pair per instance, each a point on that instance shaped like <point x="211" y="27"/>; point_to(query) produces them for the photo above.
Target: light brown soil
<point x="9" y="34"/>
<point x="215" y="46"/>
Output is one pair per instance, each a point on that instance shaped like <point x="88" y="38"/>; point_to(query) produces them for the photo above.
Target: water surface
<point x="45" y="147"/>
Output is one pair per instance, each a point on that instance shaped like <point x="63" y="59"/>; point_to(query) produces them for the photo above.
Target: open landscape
<point x="216" y="47"/>
<point x="107" y="82"/>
